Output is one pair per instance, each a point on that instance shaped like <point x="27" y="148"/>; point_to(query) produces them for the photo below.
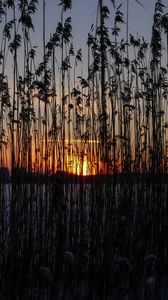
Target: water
<point x="116" y="232"/>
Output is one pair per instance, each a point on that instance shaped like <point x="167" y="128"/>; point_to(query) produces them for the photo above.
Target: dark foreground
<point x="92" y="239"/>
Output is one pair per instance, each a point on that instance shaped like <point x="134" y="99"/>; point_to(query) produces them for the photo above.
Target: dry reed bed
<point x="112" y="120"/>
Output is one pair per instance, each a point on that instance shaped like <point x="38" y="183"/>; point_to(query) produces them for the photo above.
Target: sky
<point x="83" y="15"/>
<point x="84" y="12"/>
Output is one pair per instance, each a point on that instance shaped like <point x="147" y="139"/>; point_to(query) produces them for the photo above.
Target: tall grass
<point x="113" y="120"/>
<point x="77" y="237"/>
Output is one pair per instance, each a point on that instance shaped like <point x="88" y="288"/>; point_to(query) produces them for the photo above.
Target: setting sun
<point x="85" y="168"/>
<point x="78" y="167"/>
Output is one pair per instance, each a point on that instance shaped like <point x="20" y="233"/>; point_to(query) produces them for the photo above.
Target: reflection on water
<point x="84" y="241"/>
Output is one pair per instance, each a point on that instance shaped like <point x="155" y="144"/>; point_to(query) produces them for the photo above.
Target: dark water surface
<point x="84" y="240"/>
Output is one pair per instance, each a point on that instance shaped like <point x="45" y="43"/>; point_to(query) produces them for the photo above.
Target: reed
<point x="84" y="213"/>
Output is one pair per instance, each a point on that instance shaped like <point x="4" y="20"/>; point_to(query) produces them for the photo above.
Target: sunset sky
<point x="83" y="14"/>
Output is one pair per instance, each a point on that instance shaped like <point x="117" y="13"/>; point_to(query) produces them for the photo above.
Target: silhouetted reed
<point x="84" y="211"/>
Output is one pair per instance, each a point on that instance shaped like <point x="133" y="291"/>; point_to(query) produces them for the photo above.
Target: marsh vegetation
<point x="84" y="211"/>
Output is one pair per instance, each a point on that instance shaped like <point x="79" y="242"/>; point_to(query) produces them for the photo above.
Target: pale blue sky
<point x="83" y="15"/>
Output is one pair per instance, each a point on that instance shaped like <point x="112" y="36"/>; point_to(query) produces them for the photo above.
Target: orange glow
<point x="82" y="168"/>
<point x="85" y="168"/>
<point x="77" y="166"/>
<point x="74" y="163"/>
